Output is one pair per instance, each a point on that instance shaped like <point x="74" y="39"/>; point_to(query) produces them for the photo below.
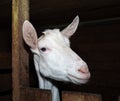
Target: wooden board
<point x="77" y="96"/>
<point x="51" y="11"/>
<point x="6" y="98"/>
<point x="5" y="82"/>
<point x="5" y="60"/>
<point x="119" y="98"/>
<point x="34" y="94"/>
<point x="5" y="77"/>
<point x="20" y="58"/>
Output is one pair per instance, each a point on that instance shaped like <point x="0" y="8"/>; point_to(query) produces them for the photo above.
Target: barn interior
<point x="97" y="41"/>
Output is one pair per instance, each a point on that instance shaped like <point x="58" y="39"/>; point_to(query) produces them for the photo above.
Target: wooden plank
<point x="5" y="38"/>
<point x="34" y="94"/>
<point x="6" y="98"/>
<point x="77" y="96"/>
<point x="119" y="98"/>
<point x="5" y="82"/>
<point x="62" y="5"/>
<point x="20" y="74"/>
<point x="5" y="60"/>
<point x="86" y="9"/>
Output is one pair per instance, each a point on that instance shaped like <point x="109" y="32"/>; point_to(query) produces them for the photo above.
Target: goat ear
<point x="70" y="29"/>
<point x="30" y="35"/>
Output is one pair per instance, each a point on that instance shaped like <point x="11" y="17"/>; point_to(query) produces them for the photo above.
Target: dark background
<point x="97" y="41"/>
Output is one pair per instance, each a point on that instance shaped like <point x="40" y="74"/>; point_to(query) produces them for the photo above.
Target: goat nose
<point x="83" y="69"/>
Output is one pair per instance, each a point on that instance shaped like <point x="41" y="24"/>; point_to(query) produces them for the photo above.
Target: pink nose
<point x="83" y="69"/>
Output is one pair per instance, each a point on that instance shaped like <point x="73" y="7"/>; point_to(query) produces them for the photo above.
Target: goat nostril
<point x="83" y="70"/>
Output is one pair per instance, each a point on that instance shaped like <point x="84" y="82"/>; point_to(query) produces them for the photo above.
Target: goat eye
<point x="43" y="49"/>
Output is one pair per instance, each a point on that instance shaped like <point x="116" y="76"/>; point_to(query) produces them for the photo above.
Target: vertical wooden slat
<point x="20" y="76"/>
<point x="77" y="96"/>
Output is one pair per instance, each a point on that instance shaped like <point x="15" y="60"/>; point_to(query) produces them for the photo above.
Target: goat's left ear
<point x="70" y="29"/>
<point x="30" y="35"/>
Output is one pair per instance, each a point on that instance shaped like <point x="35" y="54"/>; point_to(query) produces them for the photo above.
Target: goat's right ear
<point x="70" y="30"/>
<point x="30" y="35"/>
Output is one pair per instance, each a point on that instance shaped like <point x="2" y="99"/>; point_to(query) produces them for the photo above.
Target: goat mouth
<point x="80" y="78"/>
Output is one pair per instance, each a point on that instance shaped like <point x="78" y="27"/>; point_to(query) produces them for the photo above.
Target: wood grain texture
<point x="76" y="96"/>
<point x="20" y="75"/>
<point x="34" y="94"/>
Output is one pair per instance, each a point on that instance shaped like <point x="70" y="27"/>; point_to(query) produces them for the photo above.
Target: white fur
<point x="58" y="61"/>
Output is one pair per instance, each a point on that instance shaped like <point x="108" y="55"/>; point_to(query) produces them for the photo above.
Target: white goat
<point x="53" y="57"/>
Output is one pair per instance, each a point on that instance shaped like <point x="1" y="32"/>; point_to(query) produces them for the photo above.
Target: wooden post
<point x="77" y="96"/>
<point x="20" y="65"/>
<point x="20" y="72"/>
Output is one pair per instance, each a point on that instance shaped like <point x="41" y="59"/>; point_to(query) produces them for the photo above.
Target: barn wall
<point x="97" y="41"/>
<point x="5" y="77"/>
<point x="5" y="61"/>
<point x="5" y="53"/>
<point x="97" y="44"/>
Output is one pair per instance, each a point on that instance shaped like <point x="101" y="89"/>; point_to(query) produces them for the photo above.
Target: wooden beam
<point x="77" y="96"/>
<point x="20" y="74"/>
<point x="34" y="94"/>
